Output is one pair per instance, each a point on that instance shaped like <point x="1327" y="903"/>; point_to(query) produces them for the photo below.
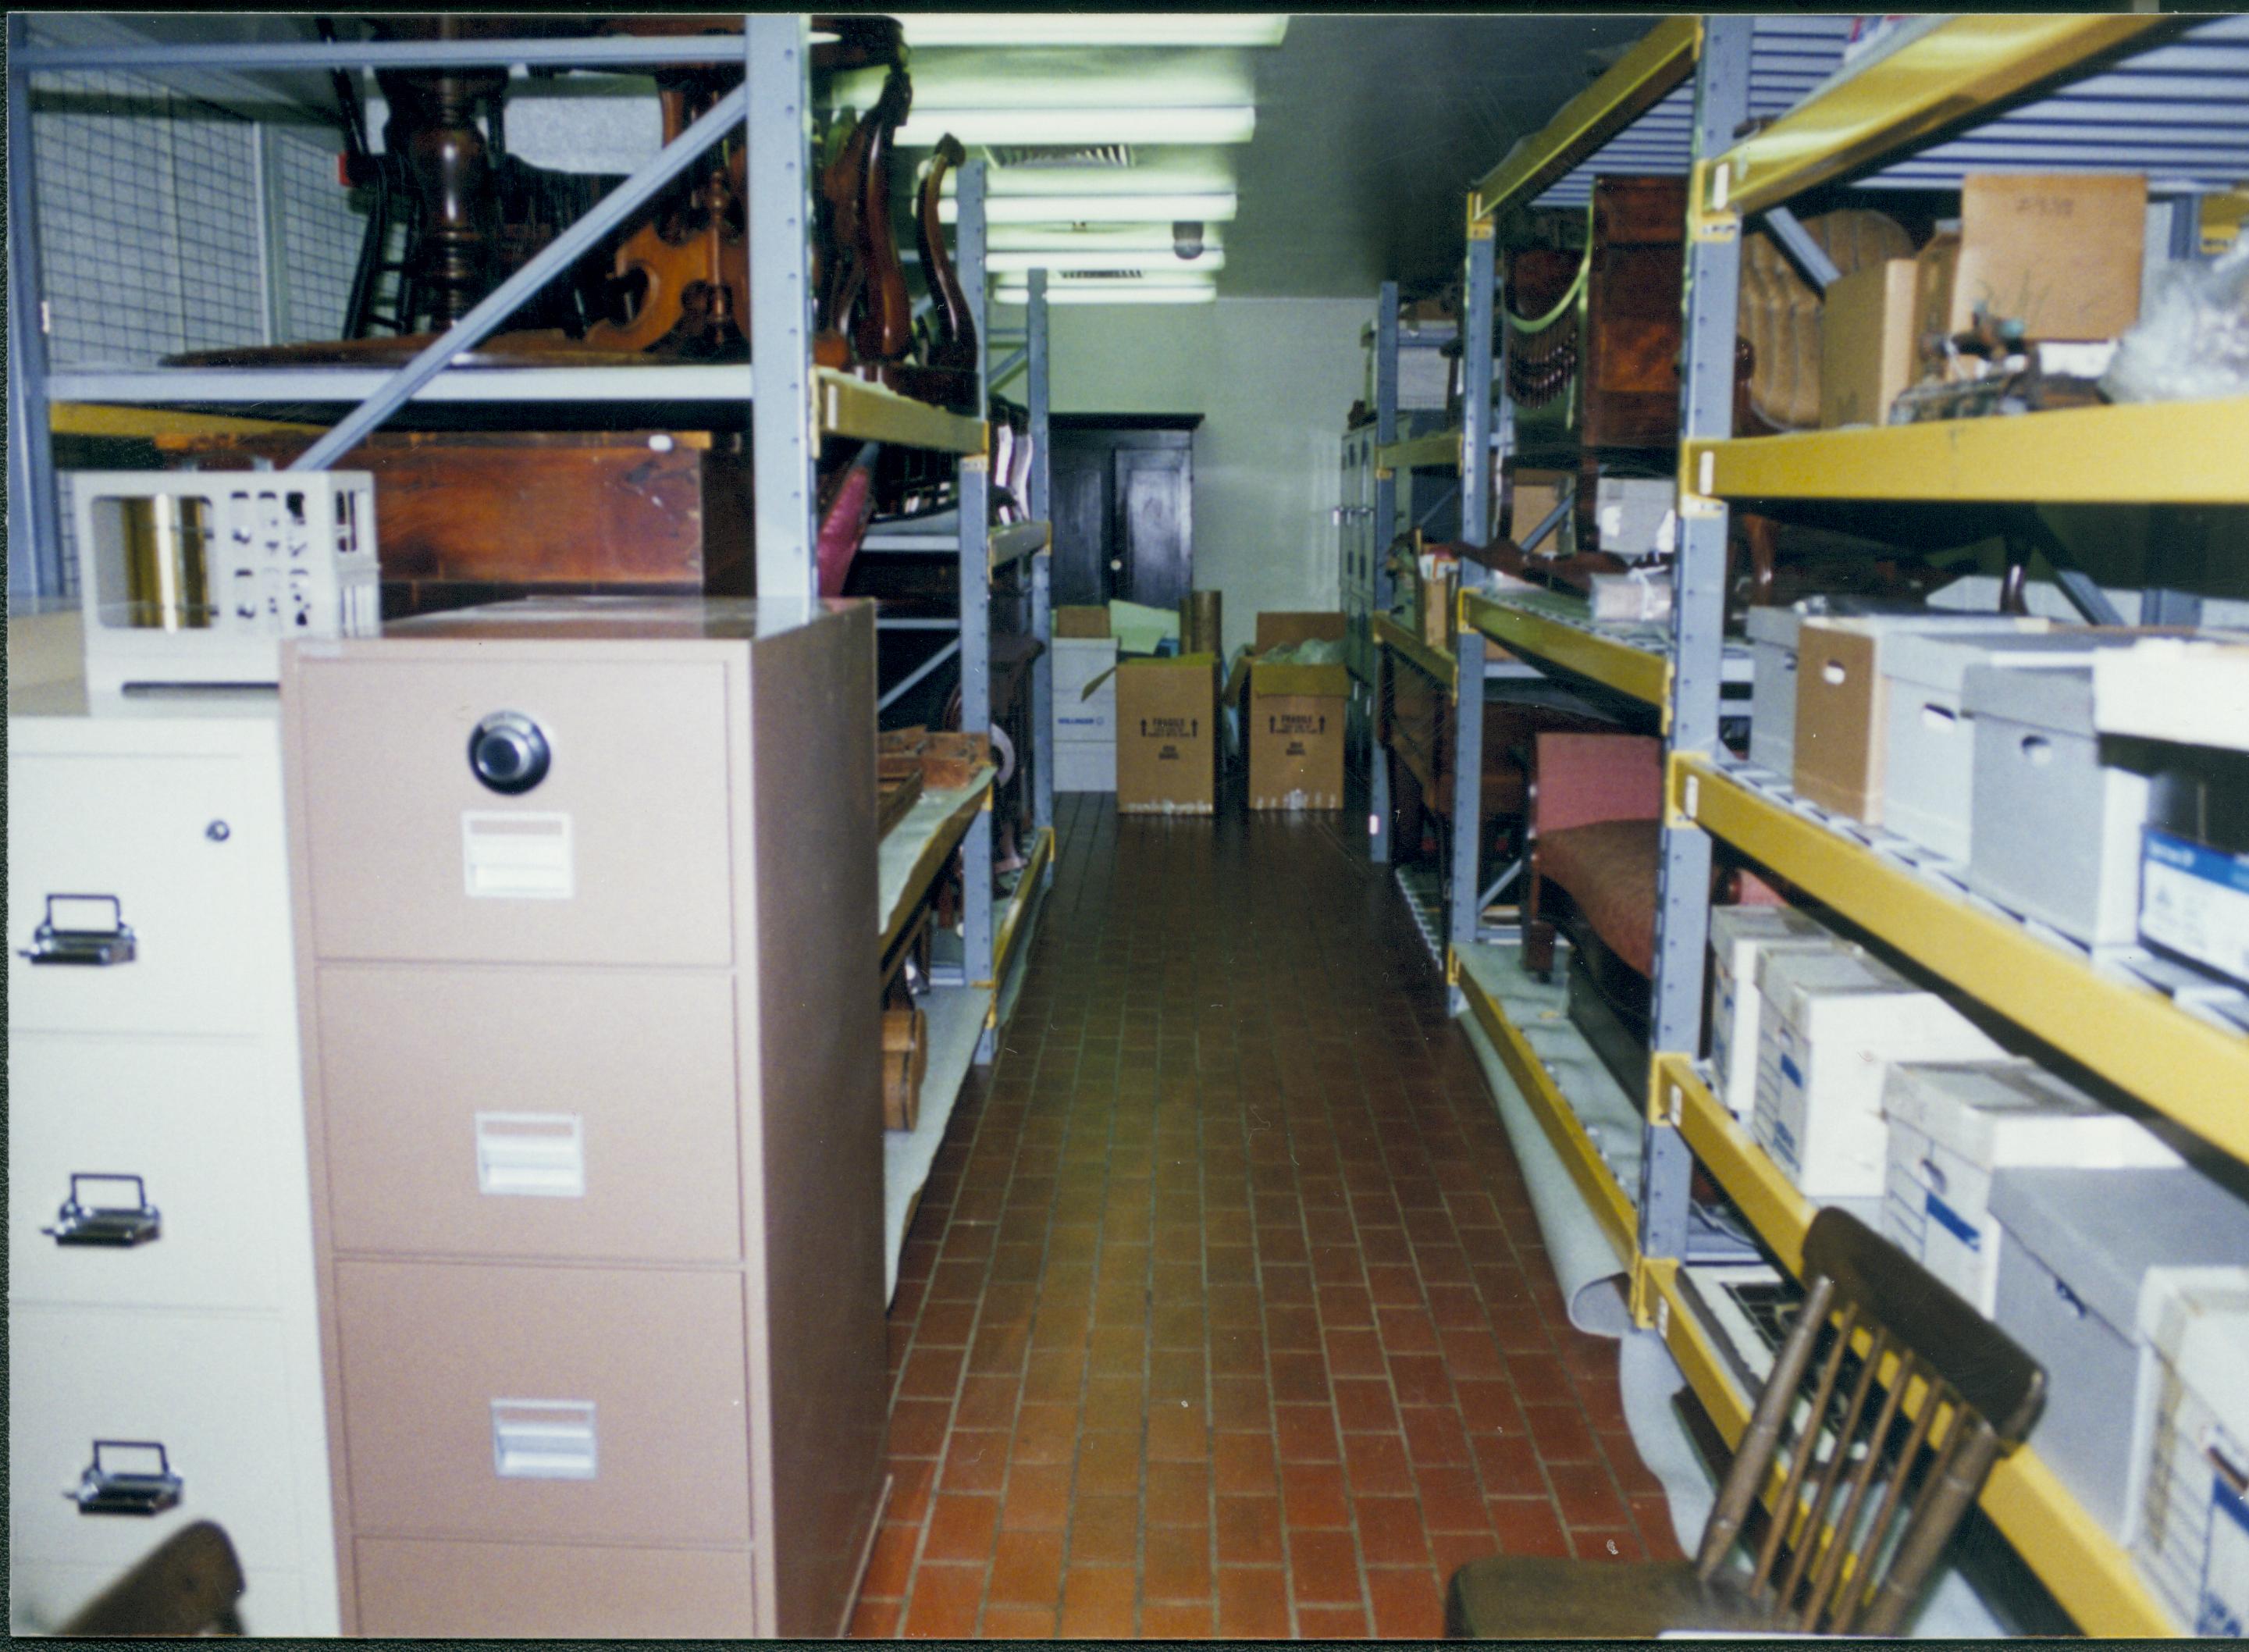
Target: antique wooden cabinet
<point x="583" y="894"/>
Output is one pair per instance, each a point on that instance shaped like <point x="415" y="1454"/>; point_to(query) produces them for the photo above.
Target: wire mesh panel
<point x="320" y="225"/>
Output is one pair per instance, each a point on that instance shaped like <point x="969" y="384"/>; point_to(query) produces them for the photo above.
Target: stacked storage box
<point x="583" y="893"/>
<point x="1740" y="936"/>
<point x="2189" y="1497"/>
<point x="164" y="1351"/>
<point x="1085" y="714"/>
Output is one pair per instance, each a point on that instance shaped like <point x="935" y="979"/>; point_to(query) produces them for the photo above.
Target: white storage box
<point x="1831" y="1024"/>
<point x="1085" y="766"/>
<point x="1636" y="515"/>
<point x="2190" y="1519"/>
<point x="1772" y="690"/>
<point x="2176" y="688"/>
<point x="2055" y="832"/>
<point x="1953" y="1123"/>
<point x="2194" y="901"/>
<point x="196" y="576"/>
<point x="1079" y="662"/>
<point x="1739" y="936"/>
<point x="2078" y="1244"/>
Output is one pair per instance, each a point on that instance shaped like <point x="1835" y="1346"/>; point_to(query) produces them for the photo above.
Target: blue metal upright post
<point x="1466" y="906"/>
<point x="1043" y="810"/>
<point x="1706" y="408"/>
<point x="977" y="961"/>
<point x="785" y="447"/>
<point x="1374" y="538"/>
<point x="35" y="542"/>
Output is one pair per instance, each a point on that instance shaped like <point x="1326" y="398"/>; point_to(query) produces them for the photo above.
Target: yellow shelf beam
<point x="1395" y="637"/>
<point x="92" y="418"/>
<point x="1611" y="1206"/>
<point x="1635" y="671"/>
<point x="1418" y="452"/>
<point x="1774" y="1207"/>
<point x="2178" y="1063"/>
<point x="853" y="406"/>
<point x="1026" y="891"/>
<point x="1011" y="541"/>
<point x="1663" y="58"/>
<point x="2141" y="453"/>
<point x="1966" y="65"/>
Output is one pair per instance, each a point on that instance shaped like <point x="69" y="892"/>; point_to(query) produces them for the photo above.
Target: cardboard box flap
<point x="1279" y="630"/>
<point x="1173" y="662"/>
<point x="1312" y="681"/>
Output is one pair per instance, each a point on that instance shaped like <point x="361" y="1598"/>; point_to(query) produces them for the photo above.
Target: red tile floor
<point x="1224" y="1312"/>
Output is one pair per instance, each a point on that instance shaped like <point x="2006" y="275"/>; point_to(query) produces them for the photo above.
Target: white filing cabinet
<point x="178" y="1313"/>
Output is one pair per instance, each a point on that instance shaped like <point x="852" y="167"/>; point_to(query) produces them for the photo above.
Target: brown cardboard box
<point x="1536" y="493"/>
<point x="1293" y="721"/>
<point x="1092" y="621"/>
<point x="2058" y="251"/>
<point x="1842" y="703"/>
<point x="1278" y="627"/>
<point x="1867" y="343"/>
<point x="1167" y="735"/>
<point x="1438" y="606"/>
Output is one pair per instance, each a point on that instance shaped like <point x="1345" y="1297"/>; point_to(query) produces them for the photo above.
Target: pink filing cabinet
<point x="583" y="889"/>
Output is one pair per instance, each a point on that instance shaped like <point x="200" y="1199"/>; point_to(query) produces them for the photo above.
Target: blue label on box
<point x="1953" y="1223"/>
<point x="2198" y="860"/>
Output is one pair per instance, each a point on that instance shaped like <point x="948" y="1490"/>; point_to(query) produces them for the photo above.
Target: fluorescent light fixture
<point x="1156" y="261"/>
<point x="1234" y="124"/>
<point x="1100" y="208"/>
<point x="1111" y="292"/>
<point x="1106" y="239"/>
<point x="926" y="29"/>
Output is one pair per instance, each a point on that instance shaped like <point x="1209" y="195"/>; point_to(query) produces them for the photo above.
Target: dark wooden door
<point x="1122" y="503"/>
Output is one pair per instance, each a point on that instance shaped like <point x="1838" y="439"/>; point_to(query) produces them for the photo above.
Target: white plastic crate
<point x="196" y="576"/>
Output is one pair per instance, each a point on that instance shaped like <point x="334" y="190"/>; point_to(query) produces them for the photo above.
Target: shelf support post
<point x="1372" y="537"/>
<point x="1706" y="408"/>
<point x="1042" y="752"/>
<point x="785" y="449"/>
<point x="977" y="961"/>
<point x="1467" y="914"/>
<point x="35" y="544"/>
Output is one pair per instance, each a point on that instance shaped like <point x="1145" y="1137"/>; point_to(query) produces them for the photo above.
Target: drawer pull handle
<point x="70" y="942"/>
<point x="544" y="1440"/>
<point x="532" y="1154"/>
<point x="107" y="1488"/>
<point x="83" y="1222"/>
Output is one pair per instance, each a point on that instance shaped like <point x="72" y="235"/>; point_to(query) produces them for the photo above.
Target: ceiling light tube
<point x="1153" y="259"/>
<point x="1112" y="292"/>
<point x="927" y="29"/>
<point x="1079" y="124"/>
<point x="1100" y="208"/>
<point x="1103" y="238"/>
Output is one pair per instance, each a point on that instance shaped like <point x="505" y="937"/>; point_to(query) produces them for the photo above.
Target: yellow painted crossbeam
<point x="1635" y="671"/>
<point x="1662" y="58"/>
<point x="2185" y="1067"/>
<point x="92" y="418"/>
<point x="1026" y="891"/>
<point x="1433" y="662"/>
<point x="2142" y="453"/>
<point x="1779" y="1214"/>
<point x="1969" y="64"/>
<point x="852" y="407"/>
<point x="1415" y="452"/>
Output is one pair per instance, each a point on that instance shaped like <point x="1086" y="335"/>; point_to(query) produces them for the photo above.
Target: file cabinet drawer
<point x="619" y="855"/>
<point x="530" y="1404"/>
<point x="427" y="1591"/>
<point x="185" y="851"/>
<point x="210" y="1127"/>
<point x="210" y="1389"/>
<point x="541" y="1114"/>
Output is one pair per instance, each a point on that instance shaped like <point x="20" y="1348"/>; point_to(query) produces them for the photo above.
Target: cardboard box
<point x="1636" y="516"/>
<point x="2080" y="1244"/>
<point x="2187" y="1512"/>
<point x="1085" y="690"/>
<point x="1830" y="1026"/>
<point x="1292" y="715"/>
<point x="1536" y="494"/>
<point x="2060" y="252"/>
<point x="1167" y="736"/>
<point x="1842" y="703"/>
<point x="1866" y="343"/>
<point x="1954" y="1123"/>
<point x="1739" y="936"/>
<point x="1437" y="588"/>
<point x="1082" y="621"/>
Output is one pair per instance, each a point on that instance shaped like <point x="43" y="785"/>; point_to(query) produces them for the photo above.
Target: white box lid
<point x="1792" y="977"/>
<point x="1732" y="924"/>
<point x="2015" y="1112"/>
<point x="2099" y="1231"/>
<point x="1773" y="625"/>
<point x="1941" y="660"/>
<point x="2198" y="1318"/>
<point x="2059" y="699"/>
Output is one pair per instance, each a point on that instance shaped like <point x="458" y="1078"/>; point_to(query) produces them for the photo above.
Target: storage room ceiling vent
<point x="1111" y="155"/>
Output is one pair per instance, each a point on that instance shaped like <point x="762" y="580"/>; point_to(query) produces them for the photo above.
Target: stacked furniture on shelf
<point x="781" y="1556"/>
<point x="2006" y="987"/>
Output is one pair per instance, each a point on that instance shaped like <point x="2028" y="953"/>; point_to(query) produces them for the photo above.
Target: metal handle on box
<point x="104" y="1489"/>
<point x="117" y="1227"/>
<point x="53" y="943"/>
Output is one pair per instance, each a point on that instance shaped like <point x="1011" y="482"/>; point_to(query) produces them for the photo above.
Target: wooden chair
<point x="186" y="1585"/>
<point x="1856" y="1566"/>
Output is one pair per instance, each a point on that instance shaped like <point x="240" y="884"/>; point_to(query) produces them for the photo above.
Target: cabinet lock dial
<point x="509" y="752"/>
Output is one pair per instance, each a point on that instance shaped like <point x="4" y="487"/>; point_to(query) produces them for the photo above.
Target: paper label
<point x="2196" y="901"/>
<point x="509" y="857"/>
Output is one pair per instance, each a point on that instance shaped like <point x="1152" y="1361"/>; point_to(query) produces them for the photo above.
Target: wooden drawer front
<point x="210" y="1126"/>
<point x="192" y="850"/>
<point x="212" y="1389"/>
<point x="627" y="834"/>
<point x="428" y="1591"/>
<point x="463" y="1106"/>
<point x="46" y="1594"/>
<point x="427" y="1348"/>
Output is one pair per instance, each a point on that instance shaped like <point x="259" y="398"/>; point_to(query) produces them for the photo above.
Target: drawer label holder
<point x="84" y="1221"/>
<point x="105" y="1487"/>
<point x="61" y="940"/>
